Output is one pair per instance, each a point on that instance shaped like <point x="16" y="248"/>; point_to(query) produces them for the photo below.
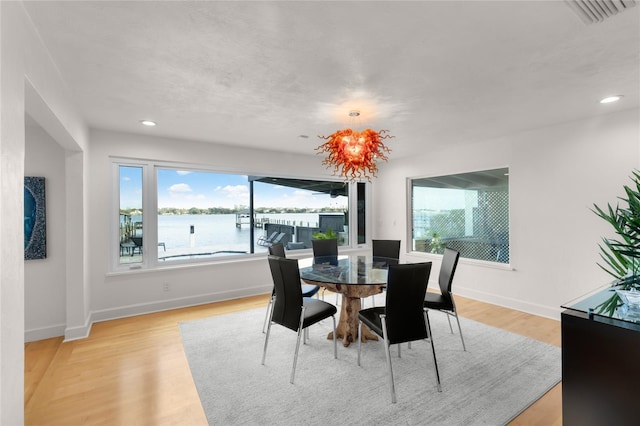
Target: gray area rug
<point x="499" y="376"/>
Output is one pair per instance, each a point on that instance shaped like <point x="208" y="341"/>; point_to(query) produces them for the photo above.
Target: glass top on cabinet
<point x="593" y="304"/>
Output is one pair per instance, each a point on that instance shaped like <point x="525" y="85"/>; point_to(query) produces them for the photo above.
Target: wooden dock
<point x="245" y="219"/>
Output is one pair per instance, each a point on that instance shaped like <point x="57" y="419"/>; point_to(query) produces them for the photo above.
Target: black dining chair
<point x="443" y="301"/>
<point x="308" y="290"/>
<point x="322" y="248"/>
<point x="277" y="250"/>
<point x="293" y="311"/>
<point x="387" y="250"/>
<point x="403" y="318"/>
<point x="327" y="250"/>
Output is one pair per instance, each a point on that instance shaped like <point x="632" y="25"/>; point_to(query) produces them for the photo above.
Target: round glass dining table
<point x="355" y="276"/>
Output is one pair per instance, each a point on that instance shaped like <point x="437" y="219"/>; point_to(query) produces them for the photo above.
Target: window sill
<point x="162" y="267"/>
<point x="172" y="266"/>
<point x="466" y="261"/>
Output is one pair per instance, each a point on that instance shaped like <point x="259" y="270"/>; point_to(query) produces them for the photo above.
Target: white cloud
<point x="183" y="172"/>
<point x="179" y="188"/>
<point x="233" y="191"/>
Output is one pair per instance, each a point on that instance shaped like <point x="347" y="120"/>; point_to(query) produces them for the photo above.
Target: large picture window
<point x="201" y="214"/>
<point x="468" y="212"/>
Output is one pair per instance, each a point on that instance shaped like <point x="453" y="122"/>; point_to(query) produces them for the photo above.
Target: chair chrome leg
<point x="455" y="312"/>
<point x="464" y="348"/>
<point x="399" y="347"/>
<point x="266" y="315"/>
<point x="295" y="357"/>
<point x="433" y="349"/>
<point x="388" y="353"/>
<point x="426" y="311"/>
<point x="266" y="339"/>
<point x="449" y="319"/>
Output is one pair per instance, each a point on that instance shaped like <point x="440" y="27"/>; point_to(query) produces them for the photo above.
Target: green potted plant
<point x="621" y="255"/>
<point x="329" y="234"/>
<point x="437" y="246"/>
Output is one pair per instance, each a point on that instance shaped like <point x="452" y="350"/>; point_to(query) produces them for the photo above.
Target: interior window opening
<point x="467" y="212"/>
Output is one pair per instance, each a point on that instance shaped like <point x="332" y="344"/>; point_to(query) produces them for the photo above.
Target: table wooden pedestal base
<point x="347" y="327"/>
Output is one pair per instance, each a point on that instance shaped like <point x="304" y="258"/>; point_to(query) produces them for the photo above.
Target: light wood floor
<point x="133" y="371"/>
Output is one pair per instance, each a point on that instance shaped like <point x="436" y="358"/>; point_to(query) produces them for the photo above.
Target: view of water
<point x="213" y="233"/>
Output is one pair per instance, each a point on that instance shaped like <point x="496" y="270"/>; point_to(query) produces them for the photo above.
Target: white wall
<point x="45" y="279"/>
<point x="555" y="176"/>
<point x="28" y="77"/>
<point x="116" y="295"/>
<point x="11" y="212"/>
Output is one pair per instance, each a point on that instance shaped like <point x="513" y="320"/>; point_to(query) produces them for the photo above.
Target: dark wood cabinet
<point x="600" y="370"/>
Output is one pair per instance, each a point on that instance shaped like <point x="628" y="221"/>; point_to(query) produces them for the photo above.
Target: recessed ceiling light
<point x="148" y="123"/>
<point x="610" y="99"/>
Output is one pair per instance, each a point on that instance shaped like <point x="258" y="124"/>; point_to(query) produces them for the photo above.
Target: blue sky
<point x="186" y="189"/>
<point x="130" y="187"/>
<point x="443" y="198"/>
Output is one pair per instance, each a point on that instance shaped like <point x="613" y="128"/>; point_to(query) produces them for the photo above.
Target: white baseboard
<point x="48" y="332"/>
<point x="507" y="302"/>
<point x="82" y="332"/>
<point x="182" y="302"/>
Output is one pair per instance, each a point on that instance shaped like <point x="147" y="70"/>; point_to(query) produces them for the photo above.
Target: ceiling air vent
<point x="594" y="11"/>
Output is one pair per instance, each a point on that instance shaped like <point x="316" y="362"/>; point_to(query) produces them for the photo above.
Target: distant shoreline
<point x="167" y="211"/>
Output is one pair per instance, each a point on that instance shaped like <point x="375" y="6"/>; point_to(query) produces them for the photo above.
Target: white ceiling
<point x="260" y="74"/>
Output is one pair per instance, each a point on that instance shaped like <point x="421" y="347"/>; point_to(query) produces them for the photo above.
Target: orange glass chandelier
<point x="353" y="154"/>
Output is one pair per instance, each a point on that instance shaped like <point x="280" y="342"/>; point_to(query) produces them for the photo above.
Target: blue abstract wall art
<point x="35" y="226"/>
